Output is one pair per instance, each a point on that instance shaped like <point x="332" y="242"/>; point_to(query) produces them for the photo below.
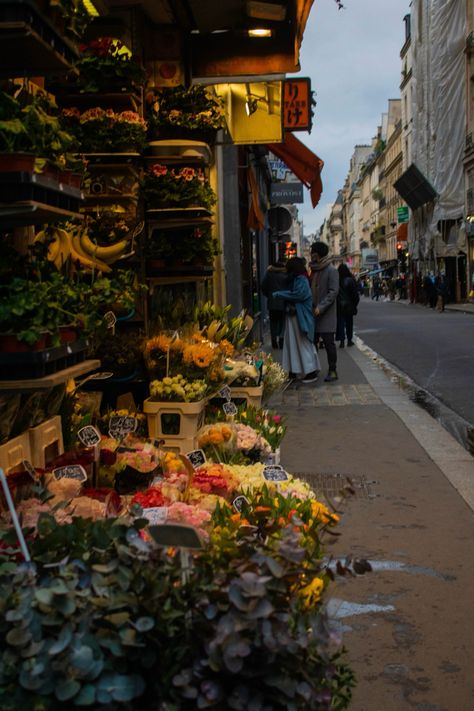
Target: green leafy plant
<point x="33" y="126"/>
<point x="171" y="187"/>
<point x="104" y="65"/>
<point x="196" y="108"/>
<point x="195" y="245"/>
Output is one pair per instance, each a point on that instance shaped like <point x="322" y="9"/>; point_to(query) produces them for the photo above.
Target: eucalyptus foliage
<point x="106" y="619"/>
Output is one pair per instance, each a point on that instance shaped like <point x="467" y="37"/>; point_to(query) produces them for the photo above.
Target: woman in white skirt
<point x="299" y="356"/>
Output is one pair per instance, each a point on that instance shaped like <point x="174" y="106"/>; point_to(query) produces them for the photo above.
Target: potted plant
<point x="32" y="136"/>
<point x="195" y="112"/>
<point x="100" y="130"/>
<point x="164" y="187"/>
<point x="105" y="65"/>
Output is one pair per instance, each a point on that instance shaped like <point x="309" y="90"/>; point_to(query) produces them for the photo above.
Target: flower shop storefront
<point x="154" y="550"/>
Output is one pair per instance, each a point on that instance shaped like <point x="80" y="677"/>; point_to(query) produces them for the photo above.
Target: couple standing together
<point x="311" y="314"/>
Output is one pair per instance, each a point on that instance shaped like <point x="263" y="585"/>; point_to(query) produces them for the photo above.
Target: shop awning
<point x="414" y="188"/>
<point x="222" y="47"/>
<point x="305" y="164"/>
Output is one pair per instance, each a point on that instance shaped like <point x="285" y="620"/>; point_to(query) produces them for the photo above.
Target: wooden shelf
<point x="108" y="197"/>
<point x="50" y="381"/>
<point x="171" y="218"/>
<point x="113" y="99"/>
<point x="178" y="279"/>
<point x="29" y="212"/>
<point x="30" y="45"/>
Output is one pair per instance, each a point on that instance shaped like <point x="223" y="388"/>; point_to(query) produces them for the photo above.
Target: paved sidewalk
<point x="467" y="308"/>
<point x="408" y="624"/>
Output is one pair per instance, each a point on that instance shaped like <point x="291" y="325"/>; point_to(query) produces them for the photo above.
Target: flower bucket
<point x="177" y="423"/>
<point x="252" y="395"/>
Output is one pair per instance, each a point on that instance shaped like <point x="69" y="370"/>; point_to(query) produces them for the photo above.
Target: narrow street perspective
<point x="236" y="338"/>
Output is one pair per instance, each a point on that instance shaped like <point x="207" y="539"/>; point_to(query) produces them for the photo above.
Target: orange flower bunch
<point x="199" y="354"/>
<point x="226" y="348"/>
<point x="216" y="435"/>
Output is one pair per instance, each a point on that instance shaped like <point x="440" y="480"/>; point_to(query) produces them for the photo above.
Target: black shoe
<point x="341" y="344"/>
<point x="350" y="343"/>
<point x="310" y="377"/>
<point x="292" y="376"/>
<point x="331" y="377"/>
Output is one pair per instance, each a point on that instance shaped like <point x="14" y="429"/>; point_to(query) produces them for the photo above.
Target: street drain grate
<point x="335" y="485"/>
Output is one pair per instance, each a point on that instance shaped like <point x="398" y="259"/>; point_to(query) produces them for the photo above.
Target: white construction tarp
<point x="438" y="35"/>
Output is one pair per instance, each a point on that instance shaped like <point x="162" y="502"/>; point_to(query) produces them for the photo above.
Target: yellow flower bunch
<point x="163" y="343"/>
<point x="311" y="593"/>
<point x="226" y="348"/>
<point x="322" y="513"/>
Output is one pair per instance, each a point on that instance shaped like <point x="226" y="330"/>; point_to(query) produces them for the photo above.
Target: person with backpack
<point x="347" y="302"/>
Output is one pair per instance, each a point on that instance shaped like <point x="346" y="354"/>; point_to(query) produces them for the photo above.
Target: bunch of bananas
<point x="75" y="244"/>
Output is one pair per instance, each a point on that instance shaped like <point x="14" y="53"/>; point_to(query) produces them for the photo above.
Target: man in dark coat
<point x="275" y="279"/>
<point x="325" y="287"/>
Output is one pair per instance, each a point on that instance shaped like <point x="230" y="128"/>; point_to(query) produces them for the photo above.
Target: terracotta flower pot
<point x="9" y="343"/>
<point x="17" y="162"/>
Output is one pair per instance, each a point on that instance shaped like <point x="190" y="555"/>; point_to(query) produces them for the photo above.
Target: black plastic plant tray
<point x="38" y="364"/>
<point x="29" y="42"/>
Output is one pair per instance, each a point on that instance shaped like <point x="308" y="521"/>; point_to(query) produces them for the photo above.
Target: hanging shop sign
<point x="286" y="193"/>
<point x="402" y="214"/>
<point x="297" y="104"/>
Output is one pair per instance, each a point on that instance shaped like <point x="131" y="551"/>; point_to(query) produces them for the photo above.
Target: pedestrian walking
<point x="275" y="278"/>
<point x="376" y="288"/>
<point x="347" y="302"/>
<point x="441" y="291"/>
<point x="325" y="287"/>
<point x="429" y="287"/>
<point x="299" y="356"/>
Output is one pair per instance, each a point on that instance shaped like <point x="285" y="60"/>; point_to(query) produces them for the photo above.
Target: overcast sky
<point x="353" y="59"/>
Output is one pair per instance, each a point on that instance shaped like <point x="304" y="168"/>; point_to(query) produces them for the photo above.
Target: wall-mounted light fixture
<point x="251" y="105"/>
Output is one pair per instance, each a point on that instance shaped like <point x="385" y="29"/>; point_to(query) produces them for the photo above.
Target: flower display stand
<point x="46" y="442"/>
<point x="252" y="395"/>
<point x="176" y="423"/>
<point x="13" y="452"/>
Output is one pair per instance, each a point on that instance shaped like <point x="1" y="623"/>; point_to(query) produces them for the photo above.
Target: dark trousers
<point x="330" y="347"/>
<point x="277" y="319"/>
<point x="345" y="327"/>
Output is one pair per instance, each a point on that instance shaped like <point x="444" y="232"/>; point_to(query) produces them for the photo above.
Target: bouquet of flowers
<point x="267" y="423"/>
<point x="187" y="358"/>
<point x="173" y="187"/>
<point x="100" y="130"/>
<point x="232" y="442"/>
<point x="274" y="376"/>
<point x="177" y="389"/>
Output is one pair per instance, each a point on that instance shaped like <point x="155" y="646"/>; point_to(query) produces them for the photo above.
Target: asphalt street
<point x="436" y="350"/>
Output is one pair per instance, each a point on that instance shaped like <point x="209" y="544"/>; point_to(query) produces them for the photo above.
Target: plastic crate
<point x="177" y="423"/>
<point x="251" y="395"/>
<point x="13" y="452"/>
<point x="38" y="364"/>
<point x="46" y="442"/>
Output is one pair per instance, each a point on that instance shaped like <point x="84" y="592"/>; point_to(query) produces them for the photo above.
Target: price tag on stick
<point x="28" y="467"/>
<point x="276" y="473"/>
<point x="197" y="458"/>
<point x="225" y="392"/>
<point x="121" y="425"/>
<point x="239" y="502"/>
<point x="156" y="515"/>
<point x="70" y="471"/>
<point x="230" y="408"/>
<point x="89" y="436"/>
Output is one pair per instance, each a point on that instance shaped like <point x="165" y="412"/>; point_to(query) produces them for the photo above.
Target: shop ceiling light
<point x="266" y="10"/>
<point x="251" y="105"/>
<point x="260" y="32"/>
